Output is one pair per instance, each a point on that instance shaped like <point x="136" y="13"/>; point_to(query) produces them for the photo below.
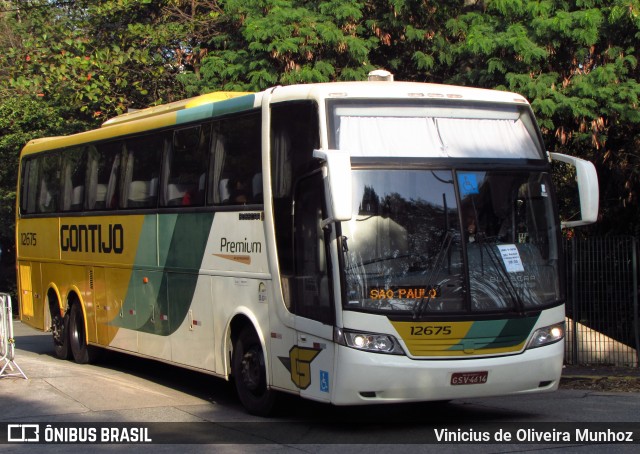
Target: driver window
<point x="312" y="290"/>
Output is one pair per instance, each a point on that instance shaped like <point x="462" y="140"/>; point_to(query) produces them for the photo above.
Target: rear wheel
<point x="60" y="331"/>
<point x="250" y="374"/>
<point x="82" y="353"/>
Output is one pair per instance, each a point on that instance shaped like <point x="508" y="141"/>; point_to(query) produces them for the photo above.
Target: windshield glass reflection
<point x="409" y="243"/>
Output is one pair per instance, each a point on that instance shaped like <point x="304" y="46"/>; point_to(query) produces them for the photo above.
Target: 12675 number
<point x="430" y="330"/>
<point x="28" y="239"/>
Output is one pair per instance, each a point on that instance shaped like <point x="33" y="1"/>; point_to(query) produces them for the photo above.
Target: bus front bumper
<point x="365" y="378"/>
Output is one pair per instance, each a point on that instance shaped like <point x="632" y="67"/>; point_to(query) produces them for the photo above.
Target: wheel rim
<point x="57" y="330"/>
<point x="252" y="371"/>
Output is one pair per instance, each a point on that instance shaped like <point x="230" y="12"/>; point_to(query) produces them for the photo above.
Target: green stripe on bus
<point x="215" y="109"/>
<point x="157" y="302"/>
<point x="495" y="334"/>
<point x="515" y="332"/>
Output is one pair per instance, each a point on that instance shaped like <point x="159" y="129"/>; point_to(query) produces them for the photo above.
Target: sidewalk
<point x="599" y="371"/>
<point x="601" y="378"/>
<point x="63" y="390"/>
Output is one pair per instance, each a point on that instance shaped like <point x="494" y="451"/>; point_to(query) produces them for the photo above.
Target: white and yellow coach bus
<point x="351" y="243"/>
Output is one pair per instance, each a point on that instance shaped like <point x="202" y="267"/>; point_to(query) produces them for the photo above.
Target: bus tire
<point x="82" y="353"/>
<point x="250" y="374"/>
<point x="60" y="332"/>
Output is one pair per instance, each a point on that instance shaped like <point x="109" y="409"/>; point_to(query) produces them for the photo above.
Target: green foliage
<point x="98" y="57"/>
<point x="269" y="42"/>
<point x="576" y="61"/>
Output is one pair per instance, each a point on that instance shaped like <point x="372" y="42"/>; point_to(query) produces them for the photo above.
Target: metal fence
<point x="602" y="301"/>
<point x="8" y="366"/>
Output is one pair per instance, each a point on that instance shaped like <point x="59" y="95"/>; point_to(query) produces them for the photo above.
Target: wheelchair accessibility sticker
<point x="324" y="381"/>
<point x="468" y="183"/>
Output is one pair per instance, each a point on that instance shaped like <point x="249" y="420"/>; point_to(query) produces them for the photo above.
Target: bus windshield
<point x="443" y="241"/>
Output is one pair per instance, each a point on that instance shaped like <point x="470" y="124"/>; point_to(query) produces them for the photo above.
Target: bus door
<point x="30" y="290"/>
<point x="37" y="242"/>
<point x="312" y="358"/>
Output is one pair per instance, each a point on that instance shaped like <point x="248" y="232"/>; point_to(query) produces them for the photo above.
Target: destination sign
<point x="403" y="292"/>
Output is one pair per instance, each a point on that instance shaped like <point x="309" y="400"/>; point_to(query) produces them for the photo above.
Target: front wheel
<point x="250" y="374"/>
<point x="82" y="353"/>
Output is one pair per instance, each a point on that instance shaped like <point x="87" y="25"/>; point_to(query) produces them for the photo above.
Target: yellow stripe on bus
<point x="453" y="339"/>
<point x="112" y="132"/>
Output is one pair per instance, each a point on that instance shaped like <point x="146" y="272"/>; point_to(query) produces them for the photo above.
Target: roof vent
<point x="380" y="75"/>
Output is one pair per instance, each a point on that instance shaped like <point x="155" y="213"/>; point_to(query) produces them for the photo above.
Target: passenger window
<point x="73" y="179"/>
<point x="141" y="171"/>
<point x="104" y="176"/>
<point x="29" y="186"/>
<point x="235" y="166"/>
<point x="48" y="184"/>
<point x="186" y="167"/>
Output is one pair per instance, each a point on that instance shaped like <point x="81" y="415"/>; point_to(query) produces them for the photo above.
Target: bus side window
<point x="217" y="185"/>
<point x="236" y="165"/>
<point x="142" y="171"/>
<point x="186" y="166"/>
<point x="91" y="179"/>
<point x="49" y="183"/>
<point x="103" y="176"/>
<point x="73" y="179"/>
<point x="29" y="188"/>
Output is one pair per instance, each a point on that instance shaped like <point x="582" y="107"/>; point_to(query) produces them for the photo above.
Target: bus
<point x="350" y="242"/>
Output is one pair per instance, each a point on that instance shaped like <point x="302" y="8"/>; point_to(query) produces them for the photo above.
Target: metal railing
<point x="8" y="366"/>
<point x="602" y="301"/>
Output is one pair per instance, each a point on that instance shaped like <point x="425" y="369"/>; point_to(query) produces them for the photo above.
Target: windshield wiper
<point x="430" y="289"/>
<point x="498" y="264"/>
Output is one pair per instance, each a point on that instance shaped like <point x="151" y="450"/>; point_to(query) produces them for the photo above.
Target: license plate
<point x="469" y="378"/>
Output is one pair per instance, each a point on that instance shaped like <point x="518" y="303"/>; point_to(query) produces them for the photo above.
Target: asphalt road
<point x="202" y="413"/>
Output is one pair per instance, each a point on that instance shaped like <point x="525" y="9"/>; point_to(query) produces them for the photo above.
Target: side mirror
<point x="337" y="183"/>
<point x="587" y="181"/>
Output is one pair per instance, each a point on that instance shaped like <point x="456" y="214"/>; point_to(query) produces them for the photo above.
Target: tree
<point x="577" y="63"/>
<point x="269" y="42"/>
<point x="98" y="57"/>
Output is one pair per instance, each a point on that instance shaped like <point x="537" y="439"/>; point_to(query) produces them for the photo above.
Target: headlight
<point x="547" y="335"/>
<point x="370" y="342"/>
